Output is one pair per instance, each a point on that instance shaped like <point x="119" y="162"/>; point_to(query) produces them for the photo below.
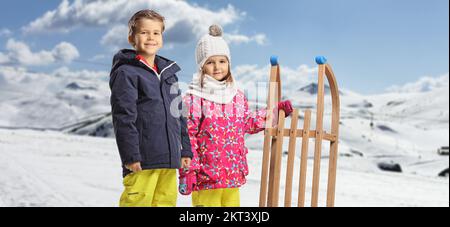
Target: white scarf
<point x="213" y="90"/>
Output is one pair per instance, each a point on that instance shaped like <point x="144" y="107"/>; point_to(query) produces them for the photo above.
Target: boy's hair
<point x="146" y="13"/>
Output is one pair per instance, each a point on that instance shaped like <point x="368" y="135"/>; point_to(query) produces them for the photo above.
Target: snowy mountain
<point x="40" y="100"/>
<point x="313" y="88"/>
<point x="99" y="126"/>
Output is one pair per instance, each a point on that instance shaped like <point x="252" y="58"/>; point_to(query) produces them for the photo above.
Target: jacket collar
<point x="127" y="56"/>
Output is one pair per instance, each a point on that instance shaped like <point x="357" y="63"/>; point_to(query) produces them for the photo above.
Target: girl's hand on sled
<point x="185" y="163"/>
<point x="135" y="167"/>
<point x="286" y="106"/>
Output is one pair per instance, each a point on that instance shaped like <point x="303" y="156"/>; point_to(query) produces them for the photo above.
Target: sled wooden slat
<point x="269" y="141"/>
<point x="291" y="159"/>
<point x="278" y="157"/>
<point x="265" y="171"/>
<point x="335" y="131"/>
<point x="272" y="171"/>
<point x="275" y="84"/>
<point x="318" y="140"/>
<point x="304" y="159"/>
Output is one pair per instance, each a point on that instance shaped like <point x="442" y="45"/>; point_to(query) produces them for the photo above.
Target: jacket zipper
<point x="151" y="68"/>
<point x="165" y="109"/>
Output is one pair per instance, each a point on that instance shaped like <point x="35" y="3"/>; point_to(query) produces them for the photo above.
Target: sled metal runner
<point x="273" y="143"/>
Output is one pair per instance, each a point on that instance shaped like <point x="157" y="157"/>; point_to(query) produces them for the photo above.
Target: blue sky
<point x="371" y="44"/>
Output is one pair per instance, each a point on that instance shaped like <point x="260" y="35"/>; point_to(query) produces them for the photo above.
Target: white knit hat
<point x="210" y="45"/>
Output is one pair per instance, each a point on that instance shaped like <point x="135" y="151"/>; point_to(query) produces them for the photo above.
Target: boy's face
<point x="217" y="67"/>
<point x="147" y="39"/>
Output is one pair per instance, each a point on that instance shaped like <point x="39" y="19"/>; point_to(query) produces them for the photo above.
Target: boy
<point x="152" y="139"/>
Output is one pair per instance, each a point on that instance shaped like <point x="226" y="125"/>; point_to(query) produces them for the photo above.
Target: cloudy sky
<point x="371" y="44"/>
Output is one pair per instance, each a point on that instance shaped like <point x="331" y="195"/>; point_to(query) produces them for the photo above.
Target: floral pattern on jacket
<point x="217" y="140"/>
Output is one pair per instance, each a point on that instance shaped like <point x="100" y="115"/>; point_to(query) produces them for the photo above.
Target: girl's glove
<point x="286" y="106"/>
<point x="283" y="105"/>
<point x="187" y="182"/>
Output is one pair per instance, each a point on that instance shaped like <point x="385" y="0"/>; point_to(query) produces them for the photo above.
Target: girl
<point x="218" y="118"/>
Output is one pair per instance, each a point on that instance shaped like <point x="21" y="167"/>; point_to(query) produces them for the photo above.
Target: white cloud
<point x="260" y="39"/>
<point x="3" y="82"/>
<point x="16" y="77"/>
<point x="65" y="72"/>
<point x="21" y="75"/>
<point x="98" y="57"/>
<point x="65" y="52"/>
<point x="20" y="53"/>
<point x="3" y="58"/>
<point x="424" y="84"/>
<point x="5" y="32"/>
<point x="116" y="37"/>
<point x="29" y="82"/>
<point x="184" y="22"/>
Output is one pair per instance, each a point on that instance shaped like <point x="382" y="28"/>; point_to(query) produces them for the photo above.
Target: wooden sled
<point x="273" y="143"/>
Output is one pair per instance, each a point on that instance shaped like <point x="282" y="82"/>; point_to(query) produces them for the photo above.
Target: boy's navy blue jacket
<point x="146" y="129"/>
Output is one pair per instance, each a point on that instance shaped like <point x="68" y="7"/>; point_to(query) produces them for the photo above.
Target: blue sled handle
<point x="321" y="60"/>
<point x="274" y="60"/>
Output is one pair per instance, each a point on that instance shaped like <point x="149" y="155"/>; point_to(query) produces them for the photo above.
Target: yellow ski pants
<point x="150" y="188"/>
<point x="227" y="197"/>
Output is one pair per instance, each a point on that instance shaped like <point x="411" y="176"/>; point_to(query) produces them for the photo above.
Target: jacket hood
<point x="128" y="57"/>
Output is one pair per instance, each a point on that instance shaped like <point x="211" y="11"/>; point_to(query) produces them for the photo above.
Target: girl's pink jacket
<point x="217" y="139"/>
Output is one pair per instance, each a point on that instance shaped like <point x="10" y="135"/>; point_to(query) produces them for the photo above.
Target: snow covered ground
<point x="56" y="169"/>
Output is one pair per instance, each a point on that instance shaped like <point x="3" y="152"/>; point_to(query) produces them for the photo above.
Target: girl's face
<point x="217" y="67"/>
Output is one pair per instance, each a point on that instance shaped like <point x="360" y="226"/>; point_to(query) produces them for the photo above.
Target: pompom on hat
<point x="210" y="45"/>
